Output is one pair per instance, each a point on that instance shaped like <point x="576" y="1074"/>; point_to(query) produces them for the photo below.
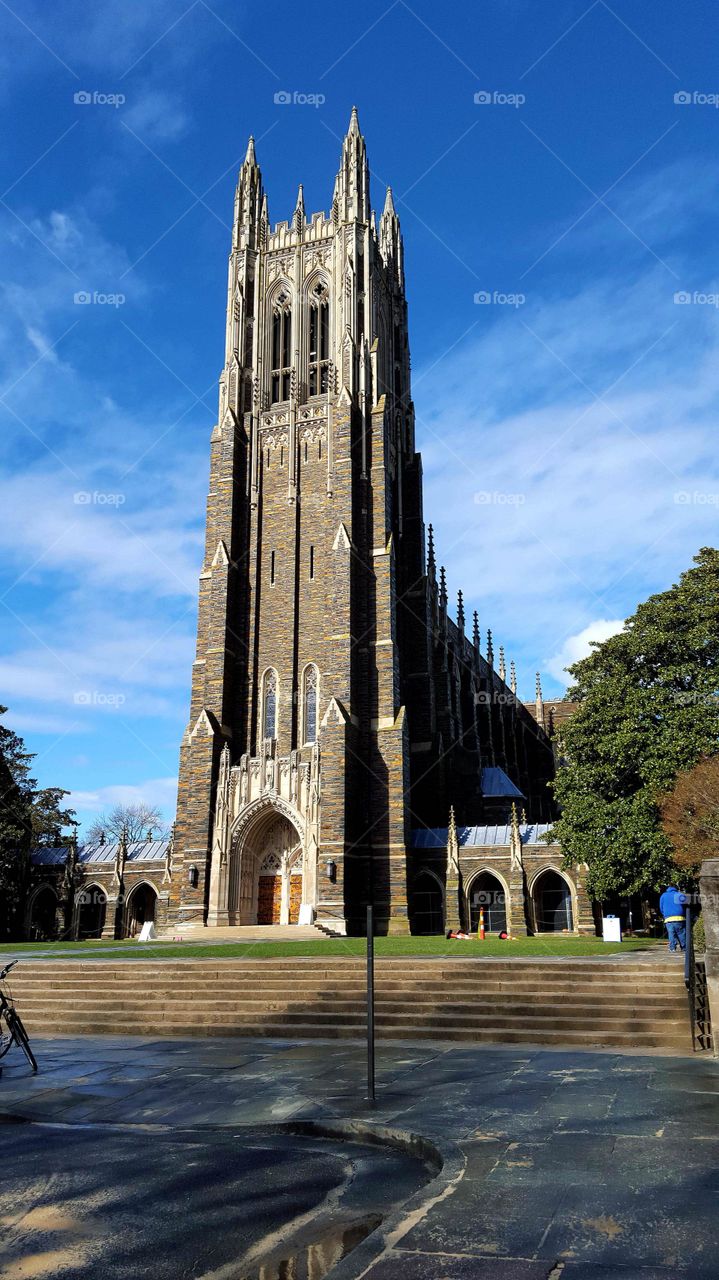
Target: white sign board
<point x="611" y="929"/>
<point x="147" y="933"/>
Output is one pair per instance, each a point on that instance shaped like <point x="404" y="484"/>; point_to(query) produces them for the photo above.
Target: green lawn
<point x="539" y="946"/>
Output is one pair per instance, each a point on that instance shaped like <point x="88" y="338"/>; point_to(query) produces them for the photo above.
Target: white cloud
<point x="557" y="496"/>
<point x="580" y="645"/>
<point x="153" y="791"/>
<point x="161" y="791"/>
<point x="156" y="116"/>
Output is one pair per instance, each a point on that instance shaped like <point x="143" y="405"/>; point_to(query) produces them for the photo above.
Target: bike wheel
<point x="20" y="1037"/>
<point x="6" y="1035"/>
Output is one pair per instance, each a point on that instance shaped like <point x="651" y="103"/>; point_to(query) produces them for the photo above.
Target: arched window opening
<point x="309" y="704"/>
<point x="552" y="903"/>
<point x="487" y="894"/>
<point x="312" y="562"/>
<point x="272" y="569"/>
<point x="281" y="347"/>
<point x="269" y="710"/>
<point x="319" y="340"/>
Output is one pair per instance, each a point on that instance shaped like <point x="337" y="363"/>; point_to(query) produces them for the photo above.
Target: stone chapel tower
<point x="294" y="770"/>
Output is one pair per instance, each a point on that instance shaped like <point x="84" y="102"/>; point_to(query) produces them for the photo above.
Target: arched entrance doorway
<point x="266" y="883"/>
<point x="92" y="904"/>
<point x="552" y="902"/>
<point x="486" y="892"/>
<point x="43" y="914"/>
<point x="427" y="904"/>
<point x="141" y="904"/>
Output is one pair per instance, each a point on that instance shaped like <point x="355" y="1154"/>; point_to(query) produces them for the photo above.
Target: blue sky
<point x="569" y="441"/>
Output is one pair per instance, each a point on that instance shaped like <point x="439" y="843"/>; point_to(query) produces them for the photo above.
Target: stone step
<point x="414" y="989"/>
<point x="459" y="967"/>
<point x="90" y="977"/>
<point x="127" y="1003"/>
<point x="670" y="1043"/>
<point x="615" y="1006"/>
<point x="404" y="1023"/>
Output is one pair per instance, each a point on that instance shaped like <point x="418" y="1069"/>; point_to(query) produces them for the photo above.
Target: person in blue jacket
<point x="672" y="904"/>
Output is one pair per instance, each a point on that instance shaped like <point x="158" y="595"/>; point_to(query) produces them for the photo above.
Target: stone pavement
<point x="207" y="1158"/>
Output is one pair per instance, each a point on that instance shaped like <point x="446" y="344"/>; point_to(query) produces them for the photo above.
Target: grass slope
<point x="547" y="945"/>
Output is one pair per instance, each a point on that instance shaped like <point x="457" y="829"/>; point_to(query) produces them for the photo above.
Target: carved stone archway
<point x="266" y="861"/>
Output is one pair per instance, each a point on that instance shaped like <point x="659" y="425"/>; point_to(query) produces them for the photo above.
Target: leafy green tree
<point x="28" y="817"/>
<point x="648" y="710"/>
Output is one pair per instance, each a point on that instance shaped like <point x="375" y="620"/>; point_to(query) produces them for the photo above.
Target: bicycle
<point x="12" y="1030"/>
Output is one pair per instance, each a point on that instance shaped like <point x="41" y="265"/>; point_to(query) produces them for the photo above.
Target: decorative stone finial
<point x="460" y="611"/>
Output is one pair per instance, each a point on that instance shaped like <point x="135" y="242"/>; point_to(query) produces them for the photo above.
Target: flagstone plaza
<point x="262" y="1158"/>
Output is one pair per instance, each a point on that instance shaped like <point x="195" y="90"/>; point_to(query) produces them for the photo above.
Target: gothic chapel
<point x="337" y="712"/>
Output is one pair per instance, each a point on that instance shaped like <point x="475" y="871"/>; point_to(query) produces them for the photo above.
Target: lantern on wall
<point x="331" y="869"/>
<point x="193" y="877"/>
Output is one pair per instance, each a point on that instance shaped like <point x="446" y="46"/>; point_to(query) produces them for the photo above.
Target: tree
<point x="690" y="815"/>
<point x="648" y="710"/>
<point x="134" y="819"/>
<point x="28" y="817"/>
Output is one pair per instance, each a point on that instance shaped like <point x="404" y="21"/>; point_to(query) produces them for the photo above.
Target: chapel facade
<point x="337" y="710"/>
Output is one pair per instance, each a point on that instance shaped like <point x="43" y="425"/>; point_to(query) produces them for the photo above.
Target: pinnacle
<point x="388" y="204"/>
<point x="250" y="158"/>
<point x="354" y="122"/>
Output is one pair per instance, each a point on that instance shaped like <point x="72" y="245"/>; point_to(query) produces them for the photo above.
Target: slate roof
<point x="497" y="785"/>
<point x="137" y="851"/>
<point x="479" y="837"/>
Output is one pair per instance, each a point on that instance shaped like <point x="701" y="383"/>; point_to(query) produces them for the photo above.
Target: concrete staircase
<point x="582" y="1003"/>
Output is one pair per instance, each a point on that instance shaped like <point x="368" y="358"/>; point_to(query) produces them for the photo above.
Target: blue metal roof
<point x="496" y="784"/>
<point x="137" y="851"/>
<point x="479" y="837"/>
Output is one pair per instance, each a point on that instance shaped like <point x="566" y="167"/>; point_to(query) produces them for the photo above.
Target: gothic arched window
<point x="269" y="704"/>
<point x="309" y="703"/>
<point x="319" y="365"/>
<point x="281" y="346"/>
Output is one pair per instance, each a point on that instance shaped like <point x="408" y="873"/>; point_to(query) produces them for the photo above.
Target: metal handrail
<point x="690" y="975"/>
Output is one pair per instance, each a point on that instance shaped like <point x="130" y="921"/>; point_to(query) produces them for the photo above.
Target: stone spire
<point x="350" y="200"/>
<point x="442" y="587"/>
<point x="475" y="631"/>
<point x="390" y="239"/>
<point x="452" y="895"/>
<point x="502" y="667"/>
<point x="460" y="611"/>
<point x="299" y="215"/>
<point x="538" y="701"/>
<point x="430" y="551"/>
<point x="490" y="649"/>
<point x="249" y="202"/>
<point x="515" y="841"/>
<point x="513" y="677"/>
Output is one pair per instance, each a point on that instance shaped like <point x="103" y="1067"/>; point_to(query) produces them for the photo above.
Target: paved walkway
<point x="556" y="1164"/>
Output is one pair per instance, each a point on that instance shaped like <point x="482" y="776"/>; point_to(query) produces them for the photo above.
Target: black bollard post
<point x="370" y="1007"/>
